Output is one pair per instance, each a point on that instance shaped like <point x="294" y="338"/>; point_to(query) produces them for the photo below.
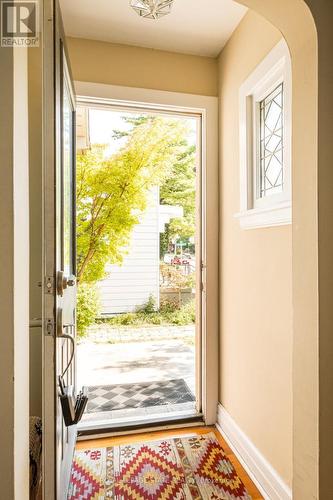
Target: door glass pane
<point x="67" y="137"/>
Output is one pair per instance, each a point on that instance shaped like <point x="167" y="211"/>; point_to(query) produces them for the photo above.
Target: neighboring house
<point x="82" y="129"/>
<point x="129" y="286"/>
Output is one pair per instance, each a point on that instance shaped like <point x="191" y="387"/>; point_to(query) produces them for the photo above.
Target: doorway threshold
<point x="135" y="424"/>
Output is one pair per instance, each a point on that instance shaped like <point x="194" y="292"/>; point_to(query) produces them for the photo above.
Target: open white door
<point x="58" y="253"/>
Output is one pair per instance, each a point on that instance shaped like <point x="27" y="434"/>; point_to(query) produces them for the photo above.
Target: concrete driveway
<point x="107" y="364"/>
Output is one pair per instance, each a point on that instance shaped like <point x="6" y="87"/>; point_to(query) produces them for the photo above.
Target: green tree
<point x="179" y="189"/>
<point x="112" y="192"/>
<point x="88" y="307"/>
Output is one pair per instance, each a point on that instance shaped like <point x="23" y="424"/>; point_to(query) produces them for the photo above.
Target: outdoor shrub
<point x="149" y="307"/>
<point x="87" y="307"/>
<point x="126" y="319"/>
<point x="156" y="319"/>
<point x="169" y="306"/>
<point x="123" y="319"/>
<point x="185" y="315"/>
<point x="170" y="313"/>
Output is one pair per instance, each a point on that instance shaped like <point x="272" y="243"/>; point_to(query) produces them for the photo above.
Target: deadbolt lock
<point x="71" y="281"/>
<point x="64" y="282"/>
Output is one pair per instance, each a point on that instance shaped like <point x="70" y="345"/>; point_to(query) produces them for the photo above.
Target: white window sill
<point x="276" y="215"/>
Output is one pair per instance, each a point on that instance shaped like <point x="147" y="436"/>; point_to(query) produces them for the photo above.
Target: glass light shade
<point x="152" y="9"/>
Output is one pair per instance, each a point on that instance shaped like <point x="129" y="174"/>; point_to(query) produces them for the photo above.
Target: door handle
<point x="64" y="282"/>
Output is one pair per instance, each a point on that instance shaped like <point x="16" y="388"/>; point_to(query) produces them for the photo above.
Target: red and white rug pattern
<point x="194" y="467"/>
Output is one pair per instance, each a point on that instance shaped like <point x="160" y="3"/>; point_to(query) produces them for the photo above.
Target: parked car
<point x="176" y="261"/>
<point x="184" y="259"/>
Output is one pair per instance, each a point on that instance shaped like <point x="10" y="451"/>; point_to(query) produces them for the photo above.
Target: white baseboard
<point x="261" y="472"/>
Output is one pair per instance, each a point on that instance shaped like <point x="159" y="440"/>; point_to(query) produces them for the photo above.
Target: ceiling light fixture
<point x="152" y="9"/>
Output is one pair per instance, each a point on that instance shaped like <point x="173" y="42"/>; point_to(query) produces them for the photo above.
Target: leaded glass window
<point x="271" y="175"/>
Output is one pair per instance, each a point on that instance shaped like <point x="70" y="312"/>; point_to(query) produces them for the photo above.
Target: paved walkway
<point x="135" y="362"/>
<point x="128" y="355"/>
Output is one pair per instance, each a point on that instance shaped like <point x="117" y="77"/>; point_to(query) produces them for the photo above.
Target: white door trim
<point x="207" y="107"/>
<point x="268" y="481"/>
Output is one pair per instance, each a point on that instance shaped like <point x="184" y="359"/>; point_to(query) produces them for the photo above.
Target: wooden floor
<point x="148" y="436"/>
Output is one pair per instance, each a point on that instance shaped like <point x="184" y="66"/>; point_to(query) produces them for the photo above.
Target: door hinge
<point x="49" y="284"/>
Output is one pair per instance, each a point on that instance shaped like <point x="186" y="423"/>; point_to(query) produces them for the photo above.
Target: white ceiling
<point x="199" y="27"/>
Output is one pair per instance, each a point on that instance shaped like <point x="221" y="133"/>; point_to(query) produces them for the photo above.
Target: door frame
<point x="48" y="284"/>
<point x="206" y="107"/>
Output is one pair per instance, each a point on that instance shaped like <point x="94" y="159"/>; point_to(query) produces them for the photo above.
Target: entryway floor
<point x="121" y="449"/>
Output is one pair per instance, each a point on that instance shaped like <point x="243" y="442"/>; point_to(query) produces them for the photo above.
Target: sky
<point x="102" y="122"/>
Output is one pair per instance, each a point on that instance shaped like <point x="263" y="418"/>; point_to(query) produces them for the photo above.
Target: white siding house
<point x="130" y="285"/>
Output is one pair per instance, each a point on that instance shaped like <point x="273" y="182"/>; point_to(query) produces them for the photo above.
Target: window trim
<point x="275" y="209"/>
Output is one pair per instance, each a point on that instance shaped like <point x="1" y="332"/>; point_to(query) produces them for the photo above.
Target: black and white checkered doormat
<point x="124" y="396"/>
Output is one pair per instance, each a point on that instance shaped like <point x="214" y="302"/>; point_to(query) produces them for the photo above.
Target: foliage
<point x="164" y="241"/>
<point x="170" y="313"/>
<point x="173" y="277"/>
<point x="179" y="189"/>
<point x="88" y="307"/>
<point x="149" y="307"/>
<point x="184" y="315"/>
<point x="112" y="192"/>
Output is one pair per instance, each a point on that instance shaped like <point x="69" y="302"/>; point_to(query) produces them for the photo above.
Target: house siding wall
<point x="129" y="285"/>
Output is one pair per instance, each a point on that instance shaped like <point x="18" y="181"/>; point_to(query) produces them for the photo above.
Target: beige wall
<point x="35" y="191"/>
<point x="311" y="396"/>
<point x="6" y="281"/>
<point x="323" y="14"/>
<point x="255" y="278"/>
<point x="14" y="272"/>
<point x="294" y="20"/>
<point x="101" y="62"/>
<point x="21" y="273"/>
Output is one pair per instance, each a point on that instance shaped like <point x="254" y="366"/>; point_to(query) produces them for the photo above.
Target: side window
<point x="265" y="143"/>
<point x="270" y="164"/>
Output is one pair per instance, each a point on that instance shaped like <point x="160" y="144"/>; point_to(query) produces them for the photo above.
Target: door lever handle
<point x="61" y="325"/>
<point x="70" y="338"/>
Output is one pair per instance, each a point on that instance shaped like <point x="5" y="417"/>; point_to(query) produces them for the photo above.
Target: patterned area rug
<point x="119" y="397"/>
<point x="172" y="469"/>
